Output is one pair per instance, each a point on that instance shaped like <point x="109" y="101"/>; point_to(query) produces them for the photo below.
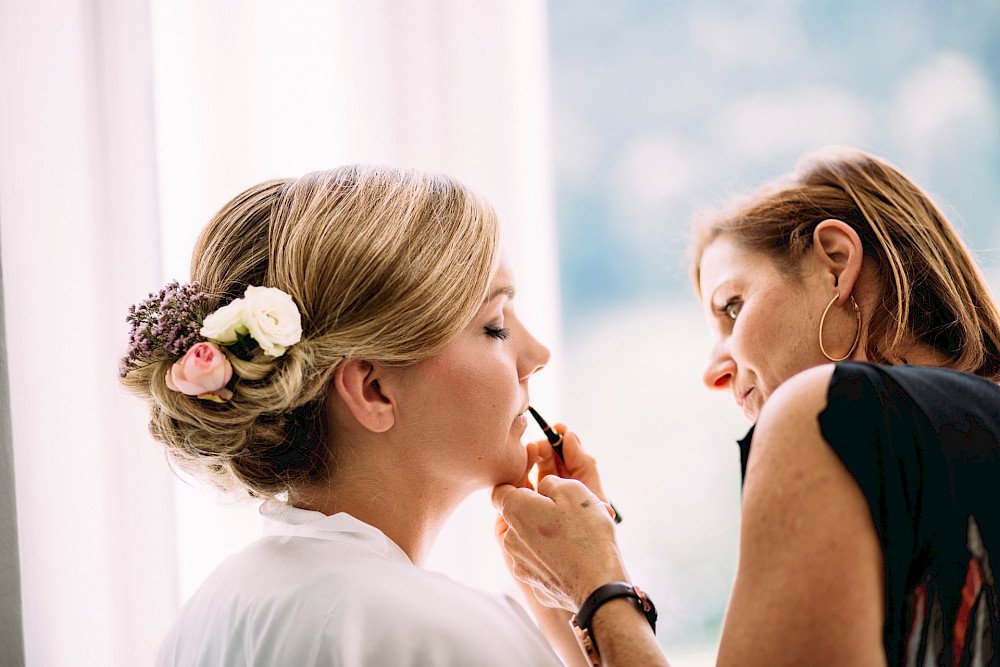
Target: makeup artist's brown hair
<point x="931" y="291"/>
<point x="385" y="265"/>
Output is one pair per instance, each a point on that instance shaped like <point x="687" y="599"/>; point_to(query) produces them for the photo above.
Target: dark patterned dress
<point x="924" y="446"/>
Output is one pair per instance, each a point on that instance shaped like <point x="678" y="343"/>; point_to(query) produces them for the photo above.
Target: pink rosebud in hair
<point x="203" y="372"/>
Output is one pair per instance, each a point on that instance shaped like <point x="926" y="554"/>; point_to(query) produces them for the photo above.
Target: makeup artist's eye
<point x="499" y="333"/>
<point x="731" y="308"/>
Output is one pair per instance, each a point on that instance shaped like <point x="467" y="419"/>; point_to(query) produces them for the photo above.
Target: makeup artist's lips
<point x="749" y="404"/>
<point x="742" y="398"/>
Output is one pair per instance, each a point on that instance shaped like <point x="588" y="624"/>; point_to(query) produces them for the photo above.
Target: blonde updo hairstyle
<point x="385" y="265"/>
<point x="931" y="288"/>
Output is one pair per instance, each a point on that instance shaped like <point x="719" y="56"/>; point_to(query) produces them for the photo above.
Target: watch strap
<point x="582" y="619"/>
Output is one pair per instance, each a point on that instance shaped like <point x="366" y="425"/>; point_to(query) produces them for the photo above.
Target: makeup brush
<point x="555" y="439"/>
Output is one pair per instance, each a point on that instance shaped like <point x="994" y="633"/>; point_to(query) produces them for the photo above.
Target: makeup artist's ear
<point x="838" y="249"/>
<point x="357" y="384"/>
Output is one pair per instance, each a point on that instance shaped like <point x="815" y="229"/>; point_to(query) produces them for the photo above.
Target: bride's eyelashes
<point x="500" y="333"/>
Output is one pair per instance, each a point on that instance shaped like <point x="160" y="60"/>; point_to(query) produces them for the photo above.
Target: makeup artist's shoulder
<point x="809" y="385"/>
<point x="793" y="475"/>
<point x="789" y="418"/>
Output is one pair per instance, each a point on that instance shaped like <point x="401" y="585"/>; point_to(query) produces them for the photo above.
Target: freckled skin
<point x="745" y="359"/>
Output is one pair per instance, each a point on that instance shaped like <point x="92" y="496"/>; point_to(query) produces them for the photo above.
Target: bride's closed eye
<point x="500" y="333"/>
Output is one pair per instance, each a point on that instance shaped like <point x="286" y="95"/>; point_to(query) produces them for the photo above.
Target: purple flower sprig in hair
<point x="169" y="320"/>
<point x="170" y="324"/>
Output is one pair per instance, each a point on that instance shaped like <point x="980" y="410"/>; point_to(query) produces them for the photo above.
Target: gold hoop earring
<point x="822" y="321"/>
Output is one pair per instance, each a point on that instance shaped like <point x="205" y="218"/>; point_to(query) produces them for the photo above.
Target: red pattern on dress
<point x="970" y="594"/>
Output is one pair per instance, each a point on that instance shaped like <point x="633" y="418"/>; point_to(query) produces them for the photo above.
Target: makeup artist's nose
<point x="721" y="368"/>
<point x="533" y="357"/>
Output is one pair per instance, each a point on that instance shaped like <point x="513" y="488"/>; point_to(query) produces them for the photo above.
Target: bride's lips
<point x="521" y="419"/>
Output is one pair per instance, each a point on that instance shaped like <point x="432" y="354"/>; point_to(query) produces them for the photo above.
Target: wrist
<point x="591" y="584"/>
<point x="618" y="592"/>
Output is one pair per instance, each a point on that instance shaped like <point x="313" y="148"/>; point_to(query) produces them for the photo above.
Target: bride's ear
<point x="356" y="382"/>
<point x="838" y="248"/>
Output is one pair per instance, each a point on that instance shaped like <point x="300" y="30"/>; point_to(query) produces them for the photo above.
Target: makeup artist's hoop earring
<point x="822" y="321"/>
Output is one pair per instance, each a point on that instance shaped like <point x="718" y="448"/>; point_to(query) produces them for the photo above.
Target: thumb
<point x="552" y="486"/>
<point x="501" y="492"/>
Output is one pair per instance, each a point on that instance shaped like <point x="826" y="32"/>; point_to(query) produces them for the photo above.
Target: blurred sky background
<point x="661" y="109"/>
<point x="597" y="128"/>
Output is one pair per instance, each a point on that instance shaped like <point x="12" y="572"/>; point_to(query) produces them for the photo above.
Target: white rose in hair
<point x="272" y="319"/>
<point x="225" y="324"/>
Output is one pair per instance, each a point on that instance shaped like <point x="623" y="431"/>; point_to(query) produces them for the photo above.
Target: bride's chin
<point x="517" y="469"/>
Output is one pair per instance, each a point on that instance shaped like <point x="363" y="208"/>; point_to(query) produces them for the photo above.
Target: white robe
<point x="321" y="590"/>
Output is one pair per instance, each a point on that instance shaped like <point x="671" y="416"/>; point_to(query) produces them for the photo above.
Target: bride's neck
<point x="408" y="512"/>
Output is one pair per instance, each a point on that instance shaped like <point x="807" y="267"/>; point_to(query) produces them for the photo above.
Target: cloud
<point x="738" y="42"/>
<point x="945" y="95"/>
<point x="776" y="125"/>
<point x="652" y="172"/>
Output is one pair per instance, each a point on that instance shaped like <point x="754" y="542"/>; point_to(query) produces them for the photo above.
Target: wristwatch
<point x="580" y="622"/>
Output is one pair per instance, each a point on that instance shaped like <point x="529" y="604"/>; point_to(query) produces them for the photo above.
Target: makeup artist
<point x="349" y="353"/>
<point x="870" y="523"/>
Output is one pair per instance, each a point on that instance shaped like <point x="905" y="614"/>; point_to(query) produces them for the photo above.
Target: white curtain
<point x="78" y="209"/>
<point x="124" y="126"/>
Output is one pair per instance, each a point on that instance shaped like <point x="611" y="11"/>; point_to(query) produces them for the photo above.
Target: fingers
<point x="572" y="461"/>
<point x="571" y="491"/>
<point x="554" y="498"/>
<point x="531" y="449"/>
<point x="559" y="540"/>
<point x="531" y="458"/>
<point x="542" y="512"/>
<point x="576" y="459"/>
<point x="548" y="462"/>
<point x="553" y="487"/>
<point x="511" y="500"/>
<point x="578" y="464"/>
<point x="501" y="492"/>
